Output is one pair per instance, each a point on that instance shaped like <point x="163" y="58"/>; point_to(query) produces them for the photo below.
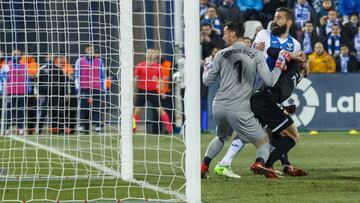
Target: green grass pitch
<point x="331" y="158"/>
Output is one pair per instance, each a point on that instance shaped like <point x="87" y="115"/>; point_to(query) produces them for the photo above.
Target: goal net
<point x="81" y="118"/>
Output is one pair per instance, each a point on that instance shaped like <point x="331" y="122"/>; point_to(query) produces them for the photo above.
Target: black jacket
<point x="352" y="64"/>
<point x="52" y="80"/>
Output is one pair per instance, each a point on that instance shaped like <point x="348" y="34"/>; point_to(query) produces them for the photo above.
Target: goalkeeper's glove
<point x="280" y="63"/>
<point x="208" y="63"/>
<point x="285" y="55"/>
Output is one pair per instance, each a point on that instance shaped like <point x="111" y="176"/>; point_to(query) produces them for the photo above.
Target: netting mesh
<point x="60" y="102"/>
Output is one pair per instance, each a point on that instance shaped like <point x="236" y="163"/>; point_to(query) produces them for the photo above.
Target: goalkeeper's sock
<point x="213" y="149"/>
<point x="165" y="118"/>
<point x="284" y="145"/>
<point x="262" y="153"/>
<point x="234" y="149"/>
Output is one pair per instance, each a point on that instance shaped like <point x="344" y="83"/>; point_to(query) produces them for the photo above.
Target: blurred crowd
<point x="328" y="30"/>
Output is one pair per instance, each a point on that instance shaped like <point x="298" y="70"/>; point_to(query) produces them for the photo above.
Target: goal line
<point x="99" y="167"/>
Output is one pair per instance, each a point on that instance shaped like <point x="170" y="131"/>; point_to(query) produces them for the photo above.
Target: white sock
<point x="234" y="148"/>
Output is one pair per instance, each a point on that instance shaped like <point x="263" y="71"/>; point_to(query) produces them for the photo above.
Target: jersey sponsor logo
<point x="304" y="91"/>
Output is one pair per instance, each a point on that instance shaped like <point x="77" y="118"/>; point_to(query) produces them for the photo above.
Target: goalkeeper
<point x="265" y="104"/>
<point x="236" y="67"/>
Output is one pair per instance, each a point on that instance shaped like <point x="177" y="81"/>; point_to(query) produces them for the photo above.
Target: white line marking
<point x="99" y="167"/>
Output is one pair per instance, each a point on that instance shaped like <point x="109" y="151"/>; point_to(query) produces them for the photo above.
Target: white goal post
<point x="73" y="128"/>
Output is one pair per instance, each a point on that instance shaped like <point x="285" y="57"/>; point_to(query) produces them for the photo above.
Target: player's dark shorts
<point x="143" y="96"/>
<point x="270" y="113"/>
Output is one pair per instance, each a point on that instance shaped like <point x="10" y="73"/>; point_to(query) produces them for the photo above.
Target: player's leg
<point x="96" y="109"/>
<point x="223" y="168"/>
<point x="84" y="110"/>
<point x="139" y="102"/>
<point x="223" y="131"/>
<point x="270" y="114"/>
<point x="285" y="142"/>
<point x="154" y="98"/>
<point x="21" y="114"/>
<point x="249" y="129"/>
<point x="236" y="146"/>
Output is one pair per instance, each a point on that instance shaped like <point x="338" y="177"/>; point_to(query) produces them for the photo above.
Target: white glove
<point x="208" y="63"/>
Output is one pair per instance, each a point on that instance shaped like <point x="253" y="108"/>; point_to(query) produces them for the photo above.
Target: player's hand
<point x="299" y="56"/>
<point x="280" y="63"/>
<point x="259" y="46"/>
<point x="208" y="63"/>
<point x="285" y="55"/>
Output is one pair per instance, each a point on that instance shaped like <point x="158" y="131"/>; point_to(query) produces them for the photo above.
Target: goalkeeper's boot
<point x="204" y="171"/>
<point x="292" y="171"/>
<point x="273" y="174"/>
<point x="225" y="171"/>
<point x="259" y="168"/>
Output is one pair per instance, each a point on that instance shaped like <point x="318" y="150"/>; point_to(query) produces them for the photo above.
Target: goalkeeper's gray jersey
<point x="236" y="67"/>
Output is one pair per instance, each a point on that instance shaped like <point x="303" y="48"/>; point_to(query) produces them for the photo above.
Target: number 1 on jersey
<point x="238" y="67"/>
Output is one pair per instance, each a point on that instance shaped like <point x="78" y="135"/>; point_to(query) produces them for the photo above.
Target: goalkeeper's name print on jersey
<point x="239" y="51"/>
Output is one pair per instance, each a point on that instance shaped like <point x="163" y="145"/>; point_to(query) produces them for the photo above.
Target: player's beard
<point x="278" y="30"/>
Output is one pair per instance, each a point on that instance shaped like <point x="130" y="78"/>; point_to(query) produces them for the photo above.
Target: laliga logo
<point x="312" y="101"/>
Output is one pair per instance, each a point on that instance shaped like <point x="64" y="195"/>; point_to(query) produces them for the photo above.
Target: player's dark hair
<point x="289" y="13"/>
<point x="236" y="27"/>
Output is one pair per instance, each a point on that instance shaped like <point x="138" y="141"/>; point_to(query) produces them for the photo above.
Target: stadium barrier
<point x="324" y="102"/>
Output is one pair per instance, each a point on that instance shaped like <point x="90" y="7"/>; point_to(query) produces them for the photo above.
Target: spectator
<point x="303" y="12"/>
<point x="212" y="19"/>
<point x="247" y="41"/>
<point x="148" y="77"/>
<point x="228" y="11"/>
<point x="90" y="80"/>
<point x="320" y="61"/>
<point x="209" y="39"/>
<point x="250" y="8"/>
<point x="351" y="28"/>
<point x="269" y="9"/>
<point x="346" y="62"/>
<point x="326" y="23"/>
<point x="204" y="4"/>
<point x="347" y="7"/>
<point x="357" y="46"/>
<point x="334" y="40"/>
<point x="308" y="38"/>
<point x="326" y="6"/>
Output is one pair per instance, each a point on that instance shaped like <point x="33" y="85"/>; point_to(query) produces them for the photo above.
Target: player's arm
<point x="270" y="78"/>
<point x="281" y="54"/>
<point x="259" y="41"/>
<point x="211" y="69"/>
